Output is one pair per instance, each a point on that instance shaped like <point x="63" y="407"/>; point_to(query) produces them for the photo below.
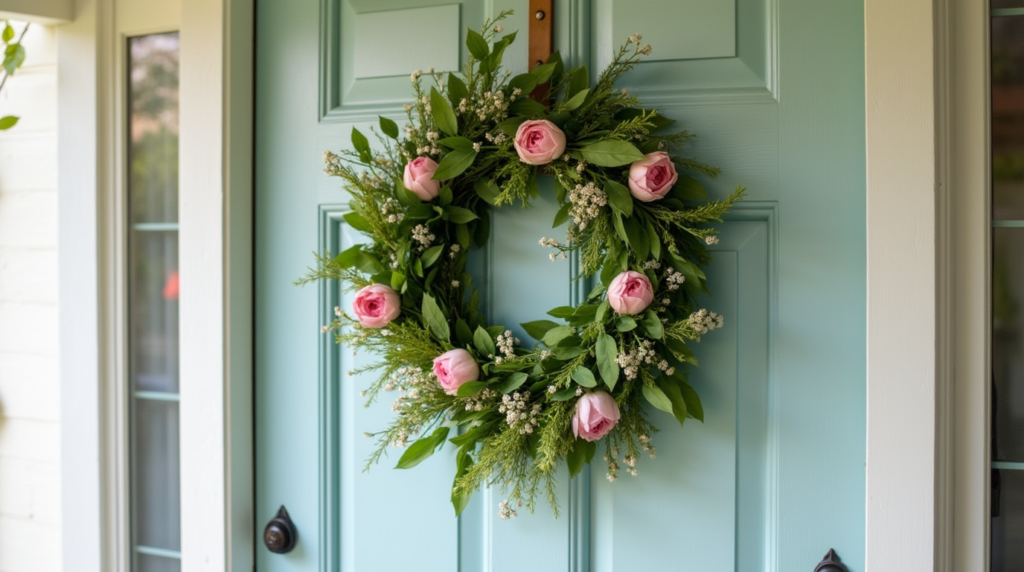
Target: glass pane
<point x="996" y="4"/>
<point x="153" y="276"/>
<point x="153" y="154"/>
<point x="1007" y="344"/>
<point x="156" y="495"/>
<point x="147" y="563"/>
<point x="1007" y="520"/>
<point x="1008" y="117"/>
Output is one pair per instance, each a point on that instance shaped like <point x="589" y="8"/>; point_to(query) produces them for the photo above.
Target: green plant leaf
<point x="655" y="242"/>
<point x="453" y="164"/>
<point x="526" y="82"/>
<point x="388" y="127"/>
<point x="562" y="215"/>
<point x="348" y="257"/>
<point x="460" y="215"/>
<point x="675" y="396"/>
<point x="619" y="197"/>
<point x="555" y="335"/>
<point x="435" y="318"/>
<point x="602" y="311"/>
<point x="406" y="197"/>
<point x="483" y="342"/>
<point x="445" y="196"/>
<point x="477" y="45"/>
<point x="606" y="350"/>
<point x="513" y="382"/>
<point x="562" y="311"/>
<point x="511" y="125"/>
<point x="357" y="222"/>
<point x="463" y="462"/>
<point x="653" y="325"/>
<point x="625" y="324"/>
<point x="7" y="122"/>
<point x="583" y="376"/>
<point x="430" y="256"/>
<point x="422" y="449"/>
<point x="457" y="90"/>
<point x="14" y="56"/>
<point x="636" y="235"/>
<point x="527" y="108"/>
<point x="657" y="398"/>
<point x="538" y="328"/>
<point x="397" y="281"/>
<point x="611" y="153"/>
<point x="470" y="388"/>
<point x="579" y="81"/>
<point x="462" y="332"/>
<point x="563" y="394"/>
<point x="460" y="143"/>
<point x="582" y="452"/>
<point x="487" y="190"/>
<point x="576" y="100"/>
<point x="444" y="117"/>
<point x="688" y="188"/>
<point x="694" y="408"/>
<point x="361" y="145"/>
<point x="542" y="73"/>
<point x="8" y="33"/>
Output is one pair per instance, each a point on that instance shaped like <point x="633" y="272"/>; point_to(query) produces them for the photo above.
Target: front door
<point x="771" y="480"/>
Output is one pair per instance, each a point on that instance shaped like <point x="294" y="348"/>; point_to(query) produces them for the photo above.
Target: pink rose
<point x="630" y="293"/>
<point x="455" y="367"/>
<point x="596" y="414"/>
<point x="419" y="178"/>
<point x="652" y="177"/>
<point x="376" y="305"/>
<point x="539" y="142"/>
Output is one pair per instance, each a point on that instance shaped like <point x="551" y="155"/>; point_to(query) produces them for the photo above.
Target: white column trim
<point x="215" y="252"/>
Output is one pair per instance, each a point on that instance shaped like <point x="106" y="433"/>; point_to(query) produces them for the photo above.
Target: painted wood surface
<point x="775" y="476"/>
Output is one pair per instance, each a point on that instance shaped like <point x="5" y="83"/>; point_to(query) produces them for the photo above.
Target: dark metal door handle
<point x="830" y="563"/>
<point x="279" y="536"/>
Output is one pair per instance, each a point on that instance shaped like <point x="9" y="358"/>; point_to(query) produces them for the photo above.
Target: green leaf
<point x="611" y="153"/>
<point x="369" y="264"/>
<point x="619" y="197"/>
<point x="562" y="215"/>
<point x="563" y="394"/>
<point x="397" y="281"/>
<point x="562" y="312"/>
<point x="688" y="188"/>
<point x="7" y="122"/>
<point x="349" y="257"/>
<point x="462" y="332"/>
<point x="653" y="325"/>
<point x="8" y="33"/>
<point x="526" y="82"/>
<point x="14" y="57"/>
<point x="483" y="342"/>
<point x="460" y="215"/>
<point x="606" y="350"/>
<point x="582" y="452"/>
<point x="430" y="256"/>
<point x="542" y="73"/>
<point x="477" y="45"/>
<point x="435" y="318"/>
<point x="694" y="408"/>
<point x="583" y="376"/>
<point x="513" y="382"/>
<point x="406" y="197"/>
<point x="637" y="237"/>
<point x="422" y="449"/>
<point x="460" y="143"/>
<point x="675" y="396"/>
<point x="657" y="398"/>
<point x="356" y="221"/>
<point x="511" y="125"/>
<point x="388" y="127"/>
<point x="602" y="310"/>
<point x="445" y="196"/>
<point x="579" y="81"/>
<point x="625" y="324"/>
<point x="463" y="462"/>
<point x="444" y="117"/>
<point x="453" y="164"/>
<point x="555" y="335"/>
<point x="652" y="236"/>
<point x="527" y="107"/>
<point x="462" y="235"/>
<point x="361" y="145"/>
<point x="539" y="328"/>
<point x="487" y="190"/>
<point x="457" y="90"/>
<point x="576" y="100"/>
<point x="470" y="388"/>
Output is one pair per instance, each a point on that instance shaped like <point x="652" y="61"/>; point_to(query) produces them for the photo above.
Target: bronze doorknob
<point x="279" y="536"/>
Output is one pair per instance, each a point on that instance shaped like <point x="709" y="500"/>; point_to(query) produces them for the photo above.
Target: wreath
<point x="638" y="219"/>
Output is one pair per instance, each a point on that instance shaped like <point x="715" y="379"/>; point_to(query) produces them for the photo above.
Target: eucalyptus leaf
<point x="611" y="153"/>
<point x="443" y="114"/>
<point x="435" y="318"/>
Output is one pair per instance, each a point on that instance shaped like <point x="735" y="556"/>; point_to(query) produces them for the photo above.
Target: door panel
<point x="770" y="481"/>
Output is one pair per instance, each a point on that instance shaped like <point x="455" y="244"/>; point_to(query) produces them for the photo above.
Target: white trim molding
<point x="42" y="11"/>
<point x="215" y="253"/>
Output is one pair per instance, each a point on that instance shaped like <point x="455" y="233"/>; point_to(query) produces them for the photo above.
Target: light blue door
<point x="771" y="480"/>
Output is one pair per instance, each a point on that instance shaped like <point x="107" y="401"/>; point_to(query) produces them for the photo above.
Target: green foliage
<point x="14" y="57"/>
<point x="513" y="425"/>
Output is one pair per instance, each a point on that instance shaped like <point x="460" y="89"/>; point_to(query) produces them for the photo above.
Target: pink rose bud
<point x="539" y="142"/>
<point x="455" y="367"/>
<point x="376" y="305"/>
<point x="419" y="178"/>
<point x="596" y="414"/>
<point x="630" y="293"/>
<point x="652" y="177"/>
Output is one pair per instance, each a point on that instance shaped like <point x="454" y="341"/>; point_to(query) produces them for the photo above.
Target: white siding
<point x="30" y="535"/>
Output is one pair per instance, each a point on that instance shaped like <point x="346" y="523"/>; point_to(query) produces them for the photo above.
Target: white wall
<point x="30" y="534"/>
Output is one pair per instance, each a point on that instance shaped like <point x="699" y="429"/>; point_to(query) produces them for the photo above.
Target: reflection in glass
<point x="1008" y="521"/>
<point x="1007" y="344"/>
<point x="152" y="281"/>
<point x="1008" y="117"/>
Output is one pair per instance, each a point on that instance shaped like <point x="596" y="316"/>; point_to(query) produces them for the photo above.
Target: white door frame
<point x="924" y="165"/>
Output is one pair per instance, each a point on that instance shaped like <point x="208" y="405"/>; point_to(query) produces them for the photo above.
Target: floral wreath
<point x="636" y="219"/>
